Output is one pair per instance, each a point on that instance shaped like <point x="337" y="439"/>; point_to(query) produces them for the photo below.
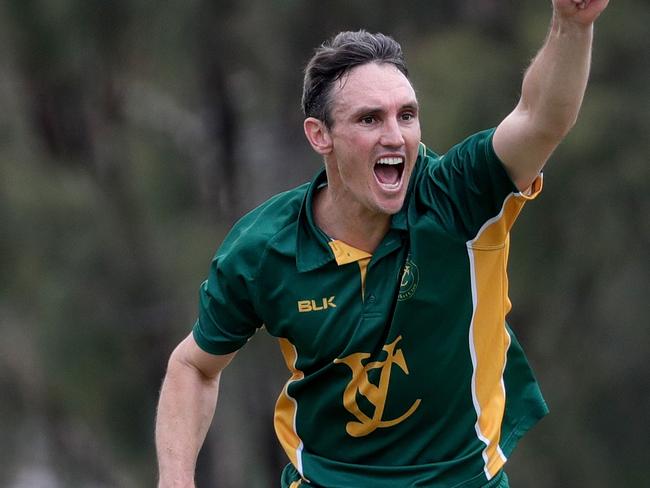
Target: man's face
<point x="375" y="137"/>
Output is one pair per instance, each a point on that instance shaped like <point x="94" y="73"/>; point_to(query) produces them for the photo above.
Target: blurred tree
<point x="131" y="137"/>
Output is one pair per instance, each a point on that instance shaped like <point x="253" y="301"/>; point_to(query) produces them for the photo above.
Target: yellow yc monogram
<point x="376" y="395"/>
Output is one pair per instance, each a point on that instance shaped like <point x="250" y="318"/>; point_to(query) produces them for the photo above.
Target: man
<point x="384" y="280"/>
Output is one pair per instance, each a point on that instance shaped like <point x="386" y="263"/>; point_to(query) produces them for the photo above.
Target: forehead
<point x="377" y="85"/>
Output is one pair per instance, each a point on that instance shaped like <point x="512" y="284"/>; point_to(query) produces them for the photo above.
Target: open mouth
<point x="389" y="171"/>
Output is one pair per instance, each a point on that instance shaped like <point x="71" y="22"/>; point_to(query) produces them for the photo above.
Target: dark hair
<point x="336" y="57"/>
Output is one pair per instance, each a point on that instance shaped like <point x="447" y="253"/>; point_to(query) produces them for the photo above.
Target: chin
<point x="392" y="207"/>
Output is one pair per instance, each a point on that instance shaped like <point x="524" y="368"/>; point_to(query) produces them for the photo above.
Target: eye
<point x="367" y="119"/>
<point x="408" y="116"/>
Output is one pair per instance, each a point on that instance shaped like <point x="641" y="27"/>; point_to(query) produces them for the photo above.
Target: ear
<point x="318" y="135"/>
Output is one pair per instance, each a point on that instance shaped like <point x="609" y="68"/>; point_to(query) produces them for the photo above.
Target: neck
<point x="351" y="223"/>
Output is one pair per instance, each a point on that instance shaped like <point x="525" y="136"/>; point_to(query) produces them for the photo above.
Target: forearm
<point x="555" y="83"/>
<point x="185" y="411"/>
<point x="552" y="92"/>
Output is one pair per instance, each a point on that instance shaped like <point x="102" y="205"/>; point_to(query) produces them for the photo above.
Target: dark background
<point x="133" y="133"/>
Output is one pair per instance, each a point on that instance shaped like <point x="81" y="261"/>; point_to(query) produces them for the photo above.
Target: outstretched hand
<point x="580" y="11"/>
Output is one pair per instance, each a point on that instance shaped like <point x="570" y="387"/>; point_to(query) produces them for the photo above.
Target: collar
<point x="313" y="248"/>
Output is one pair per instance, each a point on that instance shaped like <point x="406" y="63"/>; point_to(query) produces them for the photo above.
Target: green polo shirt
<point x="403" y="369"/>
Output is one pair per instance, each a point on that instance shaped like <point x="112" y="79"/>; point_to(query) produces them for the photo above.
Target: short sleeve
<point x="227" y="312"/>
<point x="466" y="186"/>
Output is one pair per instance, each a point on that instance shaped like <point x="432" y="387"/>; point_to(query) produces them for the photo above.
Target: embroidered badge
<point x="409" y="281"/>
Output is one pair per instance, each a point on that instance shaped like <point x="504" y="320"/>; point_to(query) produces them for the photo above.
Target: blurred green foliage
<point x="132" y="134"/>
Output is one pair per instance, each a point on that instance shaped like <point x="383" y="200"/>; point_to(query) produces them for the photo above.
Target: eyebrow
<point x="374" y="109"/>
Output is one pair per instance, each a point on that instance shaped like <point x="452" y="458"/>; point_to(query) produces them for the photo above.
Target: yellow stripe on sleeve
<point x="488" y="337"/>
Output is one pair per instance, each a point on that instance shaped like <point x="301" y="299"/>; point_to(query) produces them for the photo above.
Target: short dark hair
<point x="336" y="57"/>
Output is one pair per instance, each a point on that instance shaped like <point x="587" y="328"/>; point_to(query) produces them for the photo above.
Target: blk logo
<point x="316" y="305"/>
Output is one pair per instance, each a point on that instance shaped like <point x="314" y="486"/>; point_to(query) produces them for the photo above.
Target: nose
<point x="391" y="135"/>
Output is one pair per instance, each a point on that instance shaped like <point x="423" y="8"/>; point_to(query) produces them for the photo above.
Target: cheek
<point x="356" y="147"/>
<point x="415" y="134"/>
<point x="355" y="176"/>
<point x="353" y="173"/>
<point x="414" y="137"/>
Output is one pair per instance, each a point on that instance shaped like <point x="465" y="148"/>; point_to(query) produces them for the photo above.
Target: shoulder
<point x="470" y="162"/>
<point x="476" y="148"/>
<point x="464" y="187"/>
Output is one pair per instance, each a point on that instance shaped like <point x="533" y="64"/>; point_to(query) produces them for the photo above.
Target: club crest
<point x="409" y="280"/>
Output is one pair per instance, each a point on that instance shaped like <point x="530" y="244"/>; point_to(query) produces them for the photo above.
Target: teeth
<point x="390" y="161"/>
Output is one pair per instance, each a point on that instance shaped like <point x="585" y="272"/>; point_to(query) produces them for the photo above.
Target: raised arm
<point x="552" y="92"/>
<point x="185" y="410"/>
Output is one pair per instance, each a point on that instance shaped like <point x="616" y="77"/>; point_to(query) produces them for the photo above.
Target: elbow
<point x="551" y="132"/>
<point x="555" y="125"/>
<point x="179" y="369"/>
<point x="189" y="358"/>
<point x="564" y="126"/>
<point x="550" y="122"/>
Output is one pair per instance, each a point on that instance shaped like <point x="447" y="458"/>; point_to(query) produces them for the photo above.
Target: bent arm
<point x="552" y="92"/>
<point x="187" y="402"/>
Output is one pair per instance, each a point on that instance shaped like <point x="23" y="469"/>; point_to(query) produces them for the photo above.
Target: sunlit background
<point x="133" y="133"/>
